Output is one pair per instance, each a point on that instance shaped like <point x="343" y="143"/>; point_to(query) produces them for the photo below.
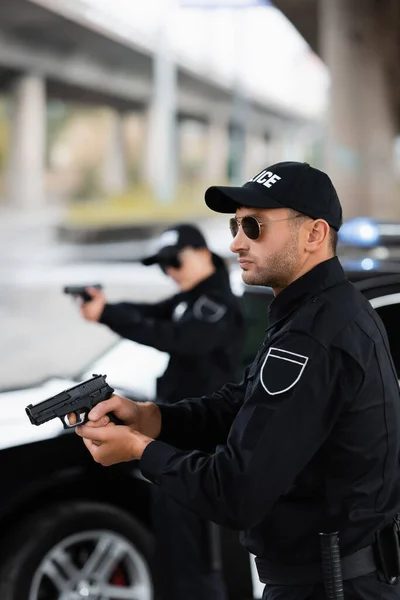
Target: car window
<point x="384" y="295"/>
<point x="390" y="316"/>
<point x="255" y="306"/>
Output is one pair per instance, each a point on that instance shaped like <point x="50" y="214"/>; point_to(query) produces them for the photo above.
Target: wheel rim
<point x="92" y="565"/>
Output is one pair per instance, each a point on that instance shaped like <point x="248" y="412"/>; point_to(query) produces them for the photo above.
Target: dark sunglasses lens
<point x="251" y="227"/>
<point x="234" y="227"/>
<point x="173" y="262"/>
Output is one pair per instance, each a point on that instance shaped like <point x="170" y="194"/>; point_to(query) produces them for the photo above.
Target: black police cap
<point x="173" y="240"/>
<point x="294" y="185"/>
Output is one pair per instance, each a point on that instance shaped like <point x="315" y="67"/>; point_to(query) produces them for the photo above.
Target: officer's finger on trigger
<point x="94" y="292"/>
<point x="71" y="418"/>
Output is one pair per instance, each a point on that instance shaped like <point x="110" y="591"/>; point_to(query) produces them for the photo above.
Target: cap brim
<point x="150" y="260"/>
<point x="164" y="254"/>
<point x="226" y="199"/>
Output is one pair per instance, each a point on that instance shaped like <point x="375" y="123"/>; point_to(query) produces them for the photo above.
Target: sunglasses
<point x="251" y="227"/>
<point x="173" y="262"/>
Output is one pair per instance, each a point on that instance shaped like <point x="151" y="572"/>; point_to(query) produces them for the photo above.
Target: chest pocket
<point x="253" y="376"/>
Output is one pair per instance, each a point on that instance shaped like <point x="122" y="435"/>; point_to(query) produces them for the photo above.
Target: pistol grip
<point x="115" y="419"/>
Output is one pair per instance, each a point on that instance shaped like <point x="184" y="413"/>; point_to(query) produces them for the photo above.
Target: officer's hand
<point x="113" y="443"/>
<point x="92" y="310"/>
<point x="139" y="416"/>
<point x="71" y="418"/>
<point x="126" y="410"/>
<point x="93" y="424"/>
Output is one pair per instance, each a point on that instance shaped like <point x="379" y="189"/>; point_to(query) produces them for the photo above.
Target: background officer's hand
<point x="92" y="311"/>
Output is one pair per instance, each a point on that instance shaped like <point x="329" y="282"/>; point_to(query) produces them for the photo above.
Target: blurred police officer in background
<point x="308" y="443"/>
<point x="202" y="329"/>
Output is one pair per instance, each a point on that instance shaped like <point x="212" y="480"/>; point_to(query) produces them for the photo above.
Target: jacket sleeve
<point x="205" y="330"/>
<point x="119" y="312"/>
<point x="292" y="407"/>
<point x="202" y="423"/>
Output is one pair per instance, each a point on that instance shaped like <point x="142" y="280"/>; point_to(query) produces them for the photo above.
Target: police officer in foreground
<point x="202" y="329"/>
<point x="308" y="443"/>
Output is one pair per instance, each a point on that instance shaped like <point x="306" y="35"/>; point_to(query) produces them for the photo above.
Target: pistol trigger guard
<point x="81" y="419"/>
<point x="84" y="417"/>
<point x="64" y="422"/>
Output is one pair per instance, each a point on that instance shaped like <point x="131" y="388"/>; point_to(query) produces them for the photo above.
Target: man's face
<point x="273" y="259"/>
<point x="183" y="275"/>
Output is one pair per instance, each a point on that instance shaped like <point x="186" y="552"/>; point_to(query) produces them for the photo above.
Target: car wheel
<point x="78" y="550"/>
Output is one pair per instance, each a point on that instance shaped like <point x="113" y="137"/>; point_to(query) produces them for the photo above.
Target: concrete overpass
<point x="49" y="52"/>
<point x="359" y="40"/>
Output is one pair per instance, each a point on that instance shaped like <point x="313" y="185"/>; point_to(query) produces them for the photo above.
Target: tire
<point x="76" y="531"/>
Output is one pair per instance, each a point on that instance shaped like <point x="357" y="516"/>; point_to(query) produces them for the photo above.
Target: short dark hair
<point x="333" y="240"/>
<point x="332" y="236"/>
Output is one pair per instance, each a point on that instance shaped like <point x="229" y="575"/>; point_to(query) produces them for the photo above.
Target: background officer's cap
<point x="292" y="185"/>
<point x="173" y="240"/>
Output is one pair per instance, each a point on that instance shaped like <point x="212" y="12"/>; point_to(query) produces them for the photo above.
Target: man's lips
<point x="244" y="262"/>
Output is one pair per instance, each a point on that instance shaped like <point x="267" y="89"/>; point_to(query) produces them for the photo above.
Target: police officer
<point x="202" y="329"/>
<point x="309" y="441"/>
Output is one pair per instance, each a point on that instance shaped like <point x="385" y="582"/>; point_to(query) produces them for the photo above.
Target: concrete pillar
<point x="115" y="178"/>
<point x="160" y="160"/>
<point x="26" y="175"/>
<point x="379" y="136"/>
<point x="238" y="137"/>
<point x="216" y="161"/>
<point x="358" y="152"/>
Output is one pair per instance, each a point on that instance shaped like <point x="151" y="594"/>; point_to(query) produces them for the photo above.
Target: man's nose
<point x="240" y="242"/>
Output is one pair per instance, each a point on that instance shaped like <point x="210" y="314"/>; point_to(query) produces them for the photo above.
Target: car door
<point x="384" y="295"/>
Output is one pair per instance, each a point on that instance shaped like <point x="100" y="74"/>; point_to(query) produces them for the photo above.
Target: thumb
<point x="95" y="292"/>
<point x="102" y="408"/>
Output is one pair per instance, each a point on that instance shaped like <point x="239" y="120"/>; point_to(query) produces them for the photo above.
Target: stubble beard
<point x="278" y="269"/>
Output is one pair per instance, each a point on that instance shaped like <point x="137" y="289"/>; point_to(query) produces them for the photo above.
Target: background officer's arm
<point x="117" y="314"/>
<point x="280" y="427"/>
<point x="209" y="325"/>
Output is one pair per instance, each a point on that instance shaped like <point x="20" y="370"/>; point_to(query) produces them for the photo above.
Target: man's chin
<point x="249" y="278"/>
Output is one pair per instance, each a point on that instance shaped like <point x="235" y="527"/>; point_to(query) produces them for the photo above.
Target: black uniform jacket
<point x="308" y="442"/>
<point x="201" y="329"/>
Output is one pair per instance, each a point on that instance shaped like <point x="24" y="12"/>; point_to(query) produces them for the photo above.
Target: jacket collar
<point x="321" y="277"/>
<point x="218" y="280"/>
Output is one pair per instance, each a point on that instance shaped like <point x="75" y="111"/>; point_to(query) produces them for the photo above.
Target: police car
<point x="71" y="529"/>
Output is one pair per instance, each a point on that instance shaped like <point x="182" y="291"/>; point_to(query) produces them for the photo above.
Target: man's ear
<point x="317" y="234"/>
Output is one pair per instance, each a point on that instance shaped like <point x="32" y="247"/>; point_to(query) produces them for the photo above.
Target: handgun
<point x="80" y="291"/>
<point x="79" y="399"/>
